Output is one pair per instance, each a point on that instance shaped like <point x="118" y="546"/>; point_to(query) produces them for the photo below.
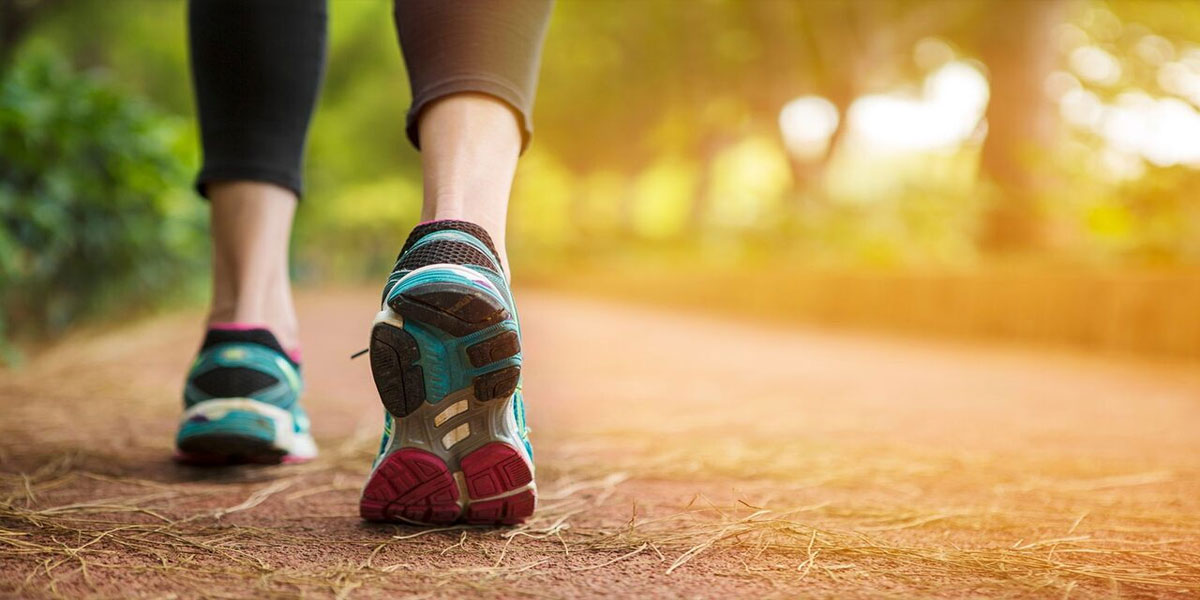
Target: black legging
<point x="257" y="66"/>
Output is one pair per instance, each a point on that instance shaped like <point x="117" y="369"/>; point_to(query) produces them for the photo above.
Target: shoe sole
<point x="218" y="450"/>
<point x="445" y="357"/>
<point x="233" y="431"/>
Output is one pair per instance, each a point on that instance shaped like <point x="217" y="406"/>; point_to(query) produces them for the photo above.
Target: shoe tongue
<point x="466" y="227"/>
<point x="257" y="335"/>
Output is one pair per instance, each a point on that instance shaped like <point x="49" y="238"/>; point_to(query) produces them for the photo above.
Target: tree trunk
<point x="16" y="19"/>
<point x="1019" y="51"/>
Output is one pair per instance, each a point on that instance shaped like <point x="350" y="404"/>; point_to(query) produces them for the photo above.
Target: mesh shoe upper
<point x="449" y="242"/>
<point x="243" y="364"/>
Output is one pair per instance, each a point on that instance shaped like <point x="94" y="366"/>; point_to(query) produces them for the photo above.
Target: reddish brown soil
<point x="679" y="456"/>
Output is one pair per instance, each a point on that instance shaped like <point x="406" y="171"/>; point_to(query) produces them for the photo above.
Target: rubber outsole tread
<point x="411" y="485"/>
<point x="415" y="486"/>
<point x="497" y="384"/>
<point x="228" y="449"/>
<point x="494" y="349"/>
<point x="493" y="470"/>
<point x="506" y="511"/>
<point x="454" y="308"/>
<point x="399" y="380"/>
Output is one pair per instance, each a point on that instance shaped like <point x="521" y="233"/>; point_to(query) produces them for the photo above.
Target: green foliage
<point x="355" y="235"/>
<point x="95" y="208"/>
<point x="657" y="131"/>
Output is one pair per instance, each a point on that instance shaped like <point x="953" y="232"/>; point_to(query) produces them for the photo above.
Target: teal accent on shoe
<point x="443" y="357"/>
<point x="446" y="360"/>
<point x="389" y="428"/>
<point x="284" y="393"/>
<point x="238" y="422"/>
<point x="519" y="416"/>
<point x="243" y="424"/>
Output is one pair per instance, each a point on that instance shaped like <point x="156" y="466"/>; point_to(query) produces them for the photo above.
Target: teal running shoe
<point x="242" y="403"/>
<point x="446" y="359"/>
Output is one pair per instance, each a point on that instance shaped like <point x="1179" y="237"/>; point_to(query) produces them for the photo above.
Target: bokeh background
<point x="821" y="298"/>
<point x="1015" y="169"/>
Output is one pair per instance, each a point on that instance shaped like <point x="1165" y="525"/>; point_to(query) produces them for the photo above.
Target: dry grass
<point x="140" y="529"/>
<point x="807" y="507"/>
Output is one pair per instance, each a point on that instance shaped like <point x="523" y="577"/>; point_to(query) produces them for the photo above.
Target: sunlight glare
<point x="946" y="114"/>
<point x="1059" y="84"/>
<point x="807" y="124"/>
<point x="1081" y="107"/>
<point x="1164" y="131"/>
<point x="1182" y="79"/>
<point x="1096" y="65"/>
<point x="1154" y="49"/>
<point x="931" y="52"/>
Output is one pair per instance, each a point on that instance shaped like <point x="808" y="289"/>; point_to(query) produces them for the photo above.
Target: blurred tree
<point x="845" y="50"/>
<point x="17" y="18"/>
<point x="660" y="98"/>
<point x="95" y="212"/>
<point x="1019" y="50"/>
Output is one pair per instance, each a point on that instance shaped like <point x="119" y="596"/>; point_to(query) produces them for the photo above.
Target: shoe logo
<point x="234" y="354"/>
<point x="289" y="372"/>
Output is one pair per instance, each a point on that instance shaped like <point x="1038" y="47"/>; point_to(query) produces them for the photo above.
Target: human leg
<point x="256" y="69"/>
<point x="445" y="348"/>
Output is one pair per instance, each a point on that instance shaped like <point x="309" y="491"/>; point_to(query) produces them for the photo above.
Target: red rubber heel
<point x="412" y="486"/>
<point x="493" y="470"/>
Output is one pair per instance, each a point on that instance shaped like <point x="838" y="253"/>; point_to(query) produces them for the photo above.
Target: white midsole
<point x="299" y="445"/>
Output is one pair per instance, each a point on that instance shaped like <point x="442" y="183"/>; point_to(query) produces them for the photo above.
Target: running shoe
<point x="446" y="359"/>
<point x="242" y="402"/>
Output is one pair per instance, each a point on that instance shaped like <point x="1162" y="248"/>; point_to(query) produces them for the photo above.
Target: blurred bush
<point x="355" y="236"/>
<point x="95" y="208"/>
<point x="906" y="139"/>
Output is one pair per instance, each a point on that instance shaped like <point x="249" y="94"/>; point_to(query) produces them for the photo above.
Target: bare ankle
<point x="251" y="226"/>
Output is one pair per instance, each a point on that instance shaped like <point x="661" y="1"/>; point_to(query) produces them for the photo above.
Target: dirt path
<point x="678" y="456"/>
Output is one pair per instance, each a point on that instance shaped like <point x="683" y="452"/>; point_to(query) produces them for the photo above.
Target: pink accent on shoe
<point x="236" y="326"/>
<point x="411" y="485"/>
<point x="509" y="510"/>
<point x="492" y="470"/>
<point x="293" y="353"/>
